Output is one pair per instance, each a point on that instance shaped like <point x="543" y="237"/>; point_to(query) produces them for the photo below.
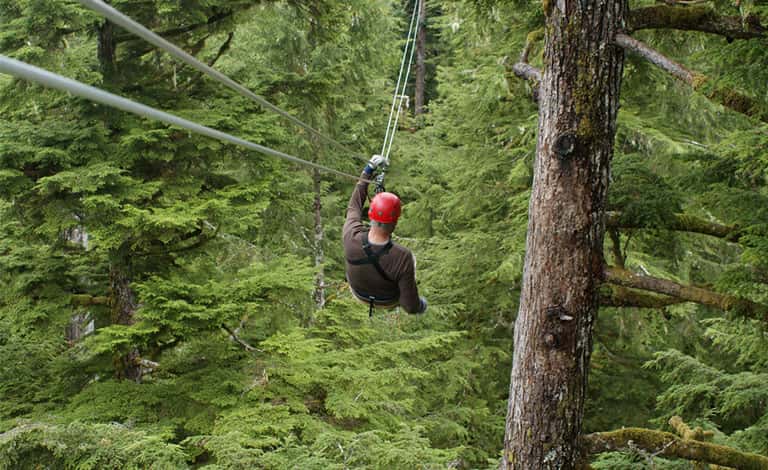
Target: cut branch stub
<point x="564" y="145"/>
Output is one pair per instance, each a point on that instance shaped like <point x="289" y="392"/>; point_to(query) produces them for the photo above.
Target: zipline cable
<point x="399" y="77"/>
<point x="49" y="79"/>
<point x="405" y="83"/>
<point x="132" y="26"/>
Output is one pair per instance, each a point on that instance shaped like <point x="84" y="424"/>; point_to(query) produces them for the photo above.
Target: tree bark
<point x="421" y="54"/>
<point x="578" y="104"/>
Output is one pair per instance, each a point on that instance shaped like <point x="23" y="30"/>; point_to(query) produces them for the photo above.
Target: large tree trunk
<point x="578" y="102"/>
<point x="421" y="54"/>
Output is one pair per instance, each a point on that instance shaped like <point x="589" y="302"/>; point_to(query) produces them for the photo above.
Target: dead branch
<point x="681" y="223"/>
<point x="655" y="57"/>
<point x="727" y="303"/>
<point x="532" y="38"/>
<point x="685" y="431"/>
<point x="729" y="97"/>
<point x="622" y="297"/>
<point x="85" y="300"/>
<point x="668" y="445"/>
<point x="239" y="341"/>
<point x="695" y="18"/>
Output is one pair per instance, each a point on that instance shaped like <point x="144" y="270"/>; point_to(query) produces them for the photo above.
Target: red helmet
<point x="385" y="208"/>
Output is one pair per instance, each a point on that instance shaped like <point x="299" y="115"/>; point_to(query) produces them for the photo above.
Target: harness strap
<point x="372" y="257"/>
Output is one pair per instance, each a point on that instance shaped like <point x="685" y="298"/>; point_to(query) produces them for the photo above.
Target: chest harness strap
<point x="372" y="257"/>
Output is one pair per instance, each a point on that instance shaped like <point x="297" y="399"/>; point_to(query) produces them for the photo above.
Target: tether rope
<point x="52" y="80"/>
<point x="412" y="33"/>
<point x="132" y="26"/>
<point x="399" y="77"/>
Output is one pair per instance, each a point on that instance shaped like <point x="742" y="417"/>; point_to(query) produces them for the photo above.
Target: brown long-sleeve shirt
<point x="398" y="263"/>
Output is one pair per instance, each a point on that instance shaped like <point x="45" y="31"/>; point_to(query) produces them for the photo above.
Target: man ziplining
<point x="380" y="273"/>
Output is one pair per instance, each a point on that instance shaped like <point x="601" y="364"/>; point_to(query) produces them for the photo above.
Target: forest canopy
<point x="168" y="300"/>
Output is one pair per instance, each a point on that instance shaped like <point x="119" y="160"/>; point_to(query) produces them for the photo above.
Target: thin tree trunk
<point x="319" y="236"/>
<point x="421" y="54"/>
<point x="107" y="47"/>
<point x="578" y="104"/>
<point x="124" y="304"/>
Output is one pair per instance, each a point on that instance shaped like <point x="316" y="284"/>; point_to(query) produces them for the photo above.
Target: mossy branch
<point x="685" y="431"/>
<point x="728" y="303"/>
<point x="729" y="97"/>
<point x="668" y="445"/>
<point x="85" y="300"/>
<point x="622" y="297"/>
<point x="695" y="18"/>
<point x="680" y="223"/>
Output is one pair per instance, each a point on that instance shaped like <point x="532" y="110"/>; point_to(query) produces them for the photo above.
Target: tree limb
<point x="622" y="297"/>
<point x="681" y="223"/>
<point x="728" y="303"/>
<point x="669" y="445"/>
<point x="695" y="18"/>
<point x="655" y="57"/>
<point x="729" y="97"/>
<point x="685" y="431"/>
<point x="239" y="341"/>
<point x="85" y="300"/>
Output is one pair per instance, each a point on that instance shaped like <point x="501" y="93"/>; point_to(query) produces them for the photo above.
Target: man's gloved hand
<point x="422" y="305"/>
<point x="373" y="164"/>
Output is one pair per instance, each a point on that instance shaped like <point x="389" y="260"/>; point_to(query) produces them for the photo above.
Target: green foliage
<point x="207" y="239"/>
<point x="87" y="446"/>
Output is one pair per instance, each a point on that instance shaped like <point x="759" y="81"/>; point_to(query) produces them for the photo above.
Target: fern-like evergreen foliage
<point x="156" y="287"/>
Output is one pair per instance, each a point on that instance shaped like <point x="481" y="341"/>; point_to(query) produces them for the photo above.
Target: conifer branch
<point x="668" y="445"/>
<point x="680" y="223"/>
<point x="695" y="18"/>
<point x="170" y="33"/>
<point x="728" y="303"/>
<point x="729" y="97"/>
